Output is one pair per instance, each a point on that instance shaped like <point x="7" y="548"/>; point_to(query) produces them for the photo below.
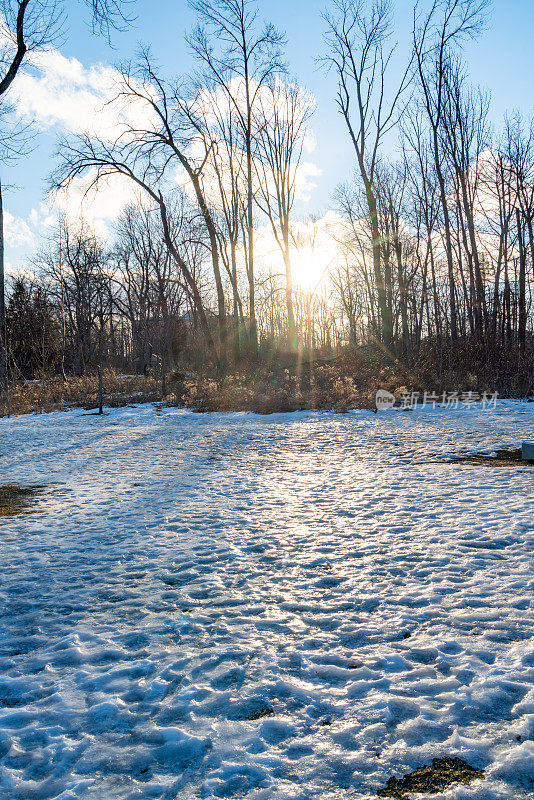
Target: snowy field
<point x="292" y="606"/>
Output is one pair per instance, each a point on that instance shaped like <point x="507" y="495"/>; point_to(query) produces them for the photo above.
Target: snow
<point x="287" y="607"/>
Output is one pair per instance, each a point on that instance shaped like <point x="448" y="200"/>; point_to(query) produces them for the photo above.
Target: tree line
<point x="432" y="242"/>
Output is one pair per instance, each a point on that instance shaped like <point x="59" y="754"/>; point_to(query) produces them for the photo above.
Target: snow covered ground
<point x="292" y="606"/>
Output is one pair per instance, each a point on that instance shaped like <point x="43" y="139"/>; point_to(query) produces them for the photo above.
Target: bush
<point x="55" y="394"/>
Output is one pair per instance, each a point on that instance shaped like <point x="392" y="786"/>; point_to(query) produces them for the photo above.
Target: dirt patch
<point x="263" y="711"/>
<point x="443" y="773"/>
<point x="15" y="499"/>
<point x="502" y="458"/>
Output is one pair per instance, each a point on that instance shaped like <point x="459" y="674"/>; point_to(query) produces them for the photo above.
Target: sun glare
<point x="310" y="267"/>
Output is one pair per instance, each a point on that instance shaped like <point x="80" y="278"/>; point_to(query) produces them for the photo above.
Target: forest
<point x="420" y="277"/>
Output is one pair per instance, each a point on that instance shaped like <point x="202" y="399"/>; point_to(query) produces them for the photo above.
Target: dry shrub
<point x="323" y="387"/>
<point x="55" y="394"/>
<point x="348" y="381"/>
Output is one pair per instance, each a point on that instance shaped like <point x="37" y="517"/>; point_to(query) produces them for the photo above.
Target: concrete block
<point x="528" y="451"/>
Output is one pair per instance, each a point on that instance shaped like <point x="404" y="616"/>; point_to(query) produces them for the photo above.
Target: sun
<point x="310" y="267"/>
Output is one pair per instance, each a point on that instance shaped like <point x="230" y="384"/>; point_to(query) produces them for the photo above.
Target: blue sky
<point x="501" y="61"/>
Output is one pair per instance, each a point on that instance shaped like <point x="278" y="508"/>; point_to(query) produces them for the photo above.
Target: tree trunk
<point x="292" y="342"/>
<point x="235" y="301"/>
<point x="212" y="233"/>
<point x="522" y="310"/>
<point x="164" y="372"/>
<point x="403" y="299"/>
<point x="448" y="245"/>
<point x="384" y="309"/>
<point x="190" y="281"/>
<point x="253" y="332"/>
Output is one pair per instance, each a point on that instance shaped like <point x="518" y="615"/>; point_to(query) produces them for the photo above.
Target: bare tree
<point x="357" y="39"/>
<point x="145" y="155"/>
<point x="519" y="148"/>
<point x="241" y="54"/>
<point x="465" y="135"/>
<point x="218" y="126"/>
<point x="3" y="339"/>
<point x="29" y="25"/>
<point x="33" y="24"/>
<point x="147" y="290"/>
<point x="76" y="281"/>
<point x="435" y="35"/>
<point x="284" y="111"/>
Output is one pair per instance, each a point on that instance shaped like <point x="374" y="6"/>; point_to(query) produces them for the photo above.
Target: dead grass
<point x="443" y="773"/>
<point x="15" y="499"/>
<point x="503" y="458"/>
<point x="56" y="394"/>
<point x="280" y="383"/>
<point x="333" y="386"/>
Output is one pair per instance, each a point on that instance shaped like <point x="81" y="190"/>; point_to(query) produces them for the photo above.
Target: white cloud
<point x="17" y="231"/>
<point x="42" y="217"/>
<point x="58" y="92"/>
<point x="292" y="102"/>
<point x="99" y="205"/>
<point x="305" y="183"/>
